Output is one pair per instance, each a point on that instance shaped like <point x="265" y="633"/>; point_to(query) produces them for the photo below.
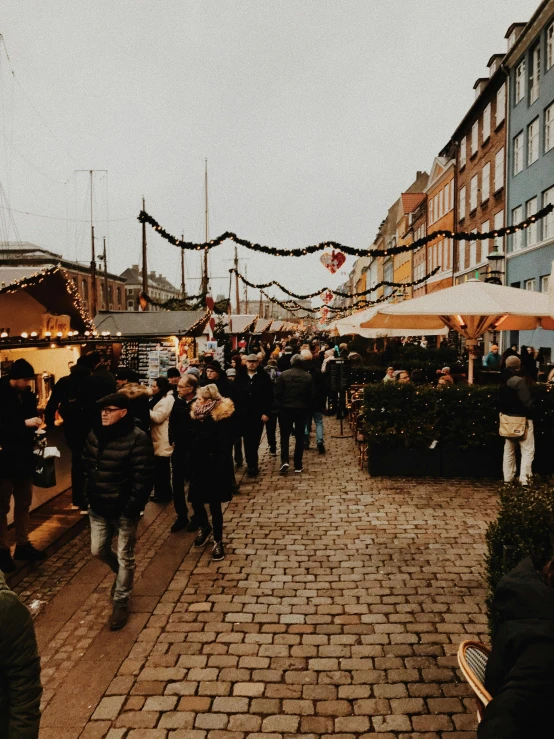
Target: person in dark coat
<point x="102" y="382"/>
<point x="18" y="423"/>
<point x="20" y="686"/>
<point x="255" y="401"/>
<point x="173" y="375"/>
<point x="240" y="371"/>
<point x="180" y="423"/>
<point x="295" y="396"/>
<point x="139" y="396"/>
<point x="118" y="468"/>
<point x="271" y="426"/>
<point x="514" y="399"/>
<point x="520" y="669"/>
<point x="283" y="363"/>
<point x="72" y="400"/>
<point x="211" y="481"/>
<point x="320" y="401"/>
<point x="215" y="374"/>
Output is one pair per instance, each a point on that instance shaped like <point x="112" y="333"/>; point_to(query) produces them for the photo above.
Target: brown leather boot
<point x="120" y="615"/>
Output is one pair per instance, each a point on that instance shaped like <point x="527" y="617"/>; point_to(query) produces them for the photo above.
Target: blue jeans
<point x="102" y="532"/>
<point x="318" y="420"/>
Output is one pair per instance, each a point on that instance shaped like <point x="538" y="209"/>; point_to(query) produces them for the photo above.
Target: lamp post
<point x="495" y="274"/>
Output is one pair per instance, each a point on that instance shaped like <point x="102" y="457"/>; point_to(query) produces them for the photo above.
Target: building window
<point x="498" y="224"/>
<point x="549" y="46"/>
<point x="473" y="251"/>
<point x="473" y="193"/>
<point x="462" y="202"/>
<point x="529" y="285"/>
<point x="119" y="296"/>
<point x="548" y="222"/>
<point x="517" y="216"/>
<point x="130" y="304"/>
<point x="461" y="255"/>
<point x="534" y="74"/>
<point x="484" y="229"/>
<point x="84" y="288"/>
<point x="447" y="197"/>
<point x="549" y="128"/>
<point x="474" y="137"/>
<point x="499" y="170"/>
<point x="520" y="82"/>
<point x="533" y="142"/>
<point x="486" y="122"/>
<point x="485" y="182"/>
<point x="530" y="210"/>
<point x="518" y="153"/>
<point x="110" y="294"/>
<point x="544" y="283"/>
<point x="441" y="203"/>
<point x="501" y="104"/>
<point x="451" y="204"/>
<point x="431" y="210"/>
<point x="463" y="152"/>
<point x="129" y="291"/>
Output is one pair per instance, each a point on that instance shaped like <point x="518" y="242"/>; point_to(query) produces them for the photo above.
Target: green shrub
<point x="524" y="527"/>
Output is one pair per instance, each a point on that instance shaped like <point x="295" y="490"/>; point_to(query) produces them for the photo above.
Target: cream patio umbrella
<point x="470" y="308"/>
<point x="352" y="324"/>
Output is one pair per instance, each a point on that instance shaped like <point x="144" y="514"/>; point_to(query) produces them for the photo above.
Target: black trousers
<point x="162" y="478"/>
<point x="271" y="430"/>
<point x="252" y="433"/>
<point x="77" y="474"/>
<point x="179" y="479"/>
<point x="289" y="419"/>
<point x="237" y="446"/>
<point x="217" y="518"/>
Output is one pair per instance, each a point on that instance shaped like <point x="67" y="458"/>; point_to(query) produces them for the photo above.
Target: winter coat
<point x="514" y="396"/>
<point x="159" y="419"/>
<point x="140" y="403"/>
<point x="320" y="390"/>
<point x="283" y="363"/>
<point x="101" y="383"/>
<point x="520" y="669"/>
<point x="118" y="469"/>
<point x="16" y="440"/>
<point x="295" y="389"/>
<point x="74" y="401"/>
<point x="20" y="687"/>
<point x="254" y="394"/>
<point x="180" y="423"/>
<point x="210" y="461"/>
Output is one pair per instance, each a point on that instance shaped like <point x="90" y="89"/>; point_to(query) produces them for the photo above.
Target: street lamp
<point x="495" y="272"/>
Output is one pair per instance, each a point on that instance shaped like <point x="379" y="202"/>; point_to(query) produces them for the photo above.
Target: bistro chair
<point x="472" y="658"/>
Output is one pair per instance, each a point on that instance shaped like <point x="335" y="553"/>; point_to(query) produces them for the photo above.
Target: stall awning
<point x="152" y="323"/>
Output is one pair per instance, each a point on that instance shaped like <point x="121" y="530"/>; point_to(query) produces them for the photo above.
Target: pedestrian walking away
<point x="271" y="426"/>
<point x="211" y="483"/>
<point x="118" y="468"/>
<point x="255" y="398"/>
<point x="295" y="395"/>
<point x="180" y="423"/>
<point x="20" y="686"/>
<point x="18" y="423"/>
<point x="515" y="401"/>
<point x="161" y="404"/>
<point x="317" y="409"/>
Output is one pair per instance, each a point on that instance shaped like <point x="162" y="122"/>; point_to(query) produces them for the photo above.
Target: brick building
<point x="159" y="288"/>
<point x="440" y="217"/>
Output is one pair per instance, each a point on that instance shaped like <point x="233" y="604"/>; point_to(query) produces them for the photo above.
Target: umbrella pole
<point x="471" y="344"/>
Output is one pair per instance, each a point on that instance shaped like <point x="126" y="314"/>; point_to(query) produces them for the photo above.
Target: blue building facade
<point x="530" y="159"/>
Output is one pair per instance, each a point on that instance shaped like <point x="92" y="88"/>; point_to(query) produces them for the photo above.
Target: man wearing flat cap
<point x="118" y="466"/>
<point x="254" y="395"/>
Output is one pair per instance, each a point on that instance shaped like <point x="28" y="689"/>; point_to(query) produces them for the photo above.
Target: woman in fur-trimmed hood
<point x="211" y="467"/>
<point x="139" y="397"/>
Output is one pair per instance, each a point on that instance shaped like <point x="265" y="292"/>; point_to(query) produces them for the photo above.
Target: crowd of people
<point x="181" y="440"/>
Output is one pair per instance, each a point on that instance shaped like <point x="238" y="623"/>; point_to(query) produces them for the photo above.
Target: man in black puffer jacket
<point x="294" y="397"/>
<point x="118" y="467"/>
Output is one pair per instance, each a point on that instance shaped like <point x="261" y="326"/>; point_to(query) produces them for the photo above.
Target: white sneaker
<point x="284" y="468"/>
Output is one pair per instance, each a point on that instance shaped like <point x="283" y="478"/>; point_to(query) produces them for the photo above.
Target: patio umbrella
<point x="470" y="308"/>
<point x="352" y="325"/>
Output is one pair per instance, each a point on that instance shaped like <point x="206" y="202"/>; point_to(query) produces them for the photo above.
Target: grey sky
<point x="313" y="115"/>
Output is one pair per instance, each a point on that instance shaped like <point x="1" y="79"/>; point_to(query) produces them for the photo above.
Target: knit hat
<point x="214" y="365"/>
<point x="173" y="372"/>
<point x="193" y="371"/>
<point x="288" y="349"/>
<point x="127" y="374"/>
<point x="231" y="372"/>
<point x="252" y="358"/>
<point x="21" y="370"/>
<point x="119" y="400"/>
<point x="272" y="363"/>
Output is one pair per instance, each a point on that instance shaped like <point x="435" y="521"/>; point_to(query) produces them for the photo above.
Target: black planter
<point x="475" y="462"/>
<point x="399" y="461"/>
<point x="543" y="464"/>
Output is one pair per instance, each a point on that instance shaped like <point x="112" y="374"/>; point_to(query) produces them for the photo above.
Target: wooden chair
<point x="472" y="658"/>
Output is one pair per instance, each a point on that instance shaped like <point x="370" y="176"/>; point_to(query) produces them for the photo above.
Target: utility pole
<point x="205" y="279"/>
<point x="93" y="292"/>
<point x="105" y="259"/>
<point x="183" y="284"/>
<point x="144" y="261"/>
<point x="246" y="289"/>
<point x="237" y="292"/>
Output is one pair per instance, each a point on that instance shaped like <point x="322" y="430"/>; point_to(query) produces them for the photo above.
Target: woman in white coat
<point x="161" y="404"/>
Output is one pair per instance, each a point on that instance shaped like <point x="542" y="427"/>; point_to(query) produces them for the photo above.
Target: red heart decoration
<point x="327" y="296"/>
<point x="324" y="311"/>
<point x="333" y="261"/>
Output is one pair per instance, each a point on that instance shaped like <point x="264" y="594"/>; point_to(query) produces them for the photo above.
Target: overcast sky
<point x="313" y="115"/>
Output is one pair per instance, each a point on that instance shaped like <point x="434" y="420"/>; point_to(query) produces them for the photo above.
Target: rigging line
<point x="37" y="111"/>
<point x="59" y="218"/>
<point x="30" y="163"/>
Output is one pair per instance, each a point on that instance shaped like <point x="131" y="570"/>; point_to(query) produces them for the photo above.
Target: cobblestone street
<point x="337" y="612"/>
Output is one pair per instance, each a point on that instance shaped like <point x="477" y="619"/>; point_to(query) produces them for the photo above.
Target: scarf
<point x="201" y="411"/>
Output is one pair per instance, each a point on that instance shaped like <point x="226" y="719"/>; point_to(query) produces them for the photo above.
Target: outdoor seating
<point x="472" y="658"/>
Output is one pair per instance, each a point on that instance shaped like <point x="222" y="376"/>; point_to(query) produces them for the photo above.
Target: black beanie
<point x="22" y="370"/>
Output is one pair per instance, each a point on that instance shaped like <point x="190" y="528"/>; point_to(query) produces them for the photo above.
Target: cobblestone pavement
<point x="337" y="612"/>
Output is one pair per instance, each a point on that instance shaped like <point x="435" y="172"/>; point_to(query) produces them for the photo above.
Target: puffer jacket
<point x="159" y="419"/>
<point x="295" y="389"/>
<point x="20" y="687"/>
<point x="118" y="469"/>
<point x="16" y="440"/>
<point x="139" y="397"/>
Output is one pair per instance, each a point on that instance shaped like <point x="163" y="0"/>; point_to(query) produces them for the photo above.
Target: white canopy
<point x="353" y="325"/>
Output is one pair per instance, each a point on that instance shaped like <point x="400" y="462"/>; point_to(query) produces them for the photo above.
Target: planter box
<point x="399" y="461"/>
<point x="475" y="462"/>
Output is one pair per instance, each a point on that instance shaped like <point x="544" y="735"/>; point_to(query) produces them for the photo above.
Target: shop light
<point x="33" y="334"/>
<point x="461" y="321"/>
<point x="59" y="334"/>
<point x="118" y="333"/>
<point x="24" y="335"/>
<point x="87" y="333"/>
<point x="48" y="334"/>
<point x="4" y="335"/>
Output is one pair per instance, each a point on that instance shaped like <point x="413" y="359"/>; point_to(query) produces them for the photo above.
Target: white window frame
<point x="549" y="128"/>
<point x="533" y="131"/>
<point x="485" y="182"/>
<point x="463" y="152"/>
<point x="485" y="226"/>
<point x="462" y="213"/>
<point x="487" y="123"/>
<point x="447" y="197"/>
<point x="474" y="137"/>
<point x="441" y="203"/>
<point x="473" y="251"/>
<point x="519" y="147"/>
<point x="544" y="283"/>
<point x="535" y="74"/>
<point x="501" y="104"/>
<point x="549" y="46"/>
<point x="530" y="210"/>
<point x="498" y="170"/>
<point x="519" y="92"/>
<point x="529" y="285"/>
<point x="498" y="224"/>
<point x="548" y="221"/>
<point x="473" y="187"/>
<point x="517" y="217"/>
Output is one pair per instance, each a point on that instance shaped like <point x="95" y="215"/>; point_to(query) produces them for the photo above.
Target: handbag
<point x="512" y="427"/>
<point x="45" y="470"/>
